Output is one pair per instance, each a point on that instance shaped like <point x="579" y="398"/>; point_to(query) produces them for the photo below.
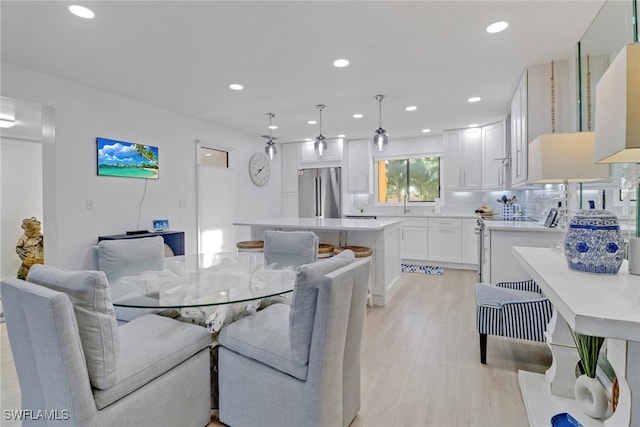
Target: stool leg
<point x="483" y="349"/>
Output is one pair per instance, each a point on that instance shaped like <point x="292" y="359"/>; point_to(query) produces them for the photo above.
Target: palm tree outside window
<point x="418" y="177"/>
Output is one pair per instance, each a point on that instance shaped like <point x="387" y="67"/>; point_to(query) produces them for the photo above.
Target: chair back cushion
<point x="129" y="257"/>
<point x="303" y="303"/>
<point x="290" y="248"/>
<point x="97" y="325"/>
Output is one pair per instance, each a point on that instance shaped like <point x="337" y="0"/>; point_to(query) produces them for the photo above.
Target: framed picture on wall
<point x="127" y="159"/>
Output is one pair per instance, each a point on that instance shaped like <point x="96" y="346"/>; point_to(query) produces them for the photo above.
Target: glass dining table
<point x="209" y="289"/>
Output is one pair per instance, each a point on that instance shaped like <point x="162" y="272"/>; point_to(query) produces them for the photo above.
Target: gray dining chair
<point x="284" y="249"/>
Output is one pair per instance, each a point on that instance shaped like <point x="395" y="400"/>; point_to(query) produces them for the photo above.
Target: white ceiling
<point x="183" y="55"/>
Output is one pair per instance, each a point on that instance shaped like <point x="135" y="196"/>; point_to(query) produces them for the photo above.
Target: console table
<point x="173" y="239"/>
<point x="599" y="305"/>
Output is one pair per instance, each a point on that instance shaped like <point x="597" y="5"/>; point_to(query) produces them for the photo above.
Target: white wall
<point x="21" y="195"/>
<point x="82" y="114"/>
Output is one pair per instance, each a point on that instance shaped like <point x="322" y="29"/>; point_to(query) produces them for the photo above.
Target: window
<point x="213" y="157"/>
<point x="420" y="175"/>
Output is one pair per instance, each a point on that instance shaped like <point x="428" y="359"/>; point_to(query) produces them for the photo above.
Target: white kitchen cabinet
<point x="462" y="150"/>
<point x="414" y="239"/>
<point x="469" y="251"/>
<point x="359" y="166"/>
<point x="333" y="153"/>
<point x="445" y="239"/>
<point x="494" y="157"/>
<point x="519" y="137"/>
<point x="290" y="162"/>
<point x="531" y="112"/>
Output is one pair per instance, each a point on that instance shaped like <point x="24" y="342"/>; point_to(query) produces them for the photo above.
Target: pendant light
<point x="320" y="145"/>
<point x="380" y="138"/>
<point x="270" y="149"/>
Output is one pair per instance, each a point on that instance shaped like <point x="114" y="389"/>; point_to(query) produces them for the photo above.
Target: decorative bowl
<point x="593" y="242"/>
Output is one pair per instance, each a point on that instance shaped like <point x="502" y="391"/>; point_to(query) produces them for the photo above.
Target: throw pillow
<point x="303" y="303"/>
<point x="97" y="325"/>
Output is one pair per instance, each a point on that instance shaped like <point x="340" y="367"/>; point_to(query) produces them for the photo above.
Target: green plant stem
<point x="588" y="349"/>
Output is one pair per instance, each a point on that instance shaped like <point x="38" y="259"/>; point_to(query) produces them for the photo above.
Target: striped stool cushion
<point x="505" y="311"/>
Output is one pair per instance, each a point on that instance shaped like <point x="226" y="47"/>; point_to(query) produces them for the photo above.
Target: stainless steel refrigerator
<point x="319" y="194"/>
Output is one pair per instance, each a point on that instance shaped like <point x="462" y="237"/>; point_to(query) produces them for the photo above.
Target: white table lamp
<point x="618" y="123"/>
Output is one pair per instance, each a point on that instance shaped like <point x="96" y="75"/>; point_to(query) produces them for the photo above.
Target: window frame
<point x="406" y="157"/>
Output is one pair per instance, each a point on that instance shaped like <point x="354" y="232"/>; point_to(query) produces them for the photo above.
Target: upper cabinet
<point x="359" y="166"/>
<point x="332" y="155"/>
<point x="462" y="149"/>
<point x="494" y="158"/>
<point x="475" y="159"/>
<point x="540" y="105"/>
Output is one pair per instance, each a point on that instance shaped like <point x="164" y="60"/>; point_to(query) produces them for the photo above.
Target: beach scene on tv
<point x="126" y="159"/>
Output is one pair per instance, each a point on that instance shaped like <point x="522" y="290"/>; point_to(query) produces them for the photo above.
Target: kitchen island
<point x="381" y="235"/>
<point x="499" y="237"/>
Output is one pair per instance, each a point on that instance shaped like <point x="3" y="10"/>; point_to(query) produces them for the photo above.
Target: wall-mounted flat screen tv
<point x="126" y="159"/>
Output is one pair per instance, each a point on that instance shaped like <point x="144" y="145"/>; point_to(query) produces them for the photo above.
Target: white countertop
<point x="605" y="305"/>
<point x="519" y="226"/>
<point x="328" y="224"/>
<point x="415" y="215"/>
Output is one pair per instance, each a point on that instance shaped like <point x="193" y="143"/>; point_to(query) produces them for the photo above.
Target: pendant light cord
<point x="553" y="101"/>
<point x="588" y="95"/>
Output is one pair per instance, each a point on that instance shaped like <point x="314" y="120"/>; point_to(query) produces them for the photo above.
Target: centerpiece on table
<point x="593" y="242"/>
<point x="590" y="394"/>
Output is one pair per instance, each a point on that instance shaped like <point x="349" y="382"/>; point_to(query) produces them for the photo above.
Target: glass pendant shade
<point x="270" y="149"/>
<point x="380" y="139"/>
<point x="320" y="146"/>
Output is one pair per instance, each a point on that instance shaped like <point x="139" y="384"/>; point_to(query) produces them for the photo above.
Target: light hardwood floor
<point x="420" y="361"/>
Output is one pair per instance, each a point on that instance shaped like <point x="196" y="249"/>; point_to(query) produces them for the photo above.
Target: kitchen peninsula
<point x="381" y="235"/>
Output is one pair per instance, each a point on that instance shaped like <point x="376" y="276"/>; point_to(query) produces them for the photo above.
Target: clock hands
<point x="260" y="170"/>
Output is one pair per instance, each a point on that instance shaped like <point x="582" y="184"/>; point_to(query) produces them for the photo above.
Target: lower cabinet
<point x="413" y="239"/>
<point x="445" y="243"/>
<point x="470" y="244"/>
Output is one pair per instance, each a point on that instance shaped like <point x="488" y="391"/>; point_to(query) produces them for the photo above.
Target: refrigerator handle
<point x="320" y="210"/>
<point x="315" y="194"/>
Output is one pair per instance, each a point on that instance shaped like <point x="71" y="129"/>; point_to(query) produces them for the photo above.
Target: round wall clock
<point x="259" y="169"/>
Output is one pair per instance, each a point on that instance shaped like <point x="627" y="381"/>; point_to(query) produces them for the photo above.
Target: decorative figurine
<point x="30" y="246"/>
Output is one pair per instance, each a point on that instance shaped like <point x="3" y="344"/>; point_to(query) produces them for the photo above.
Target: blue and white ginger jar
<point x="593" y="242"/>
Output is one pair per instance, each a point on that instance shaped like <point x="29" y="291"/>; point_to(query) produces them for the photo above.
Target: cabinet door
<point x="360" y="166"/>
<point x="469" y="241"/>
<point x="452" y="173"/>
<point x="332" y="154"/>
<point x="493" y="156"/>
<point x="471" y="154"/>
<point x="519" y="134"/>
<point x="290" y="165"/>
<point x="444" y="244"/>
<point x="414" y="243"/>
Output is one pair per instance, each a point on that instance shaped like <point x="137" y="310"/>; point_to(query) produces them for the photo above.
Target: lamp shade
<point x="560" y="157"/>
<point x="618" y="109"/>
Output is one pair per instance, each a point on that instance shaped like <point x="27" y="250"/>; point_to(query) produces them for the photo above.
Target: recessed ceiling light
<point x="496" y="27"/>
<point x="81" y="11"/>
<point x="273" y="127"/>
<point x="411" y="108"/>
<point x="312" y="122"/>
<point x="342" y="135"/>
<point x="236" y="86"/>
<point x="357" y="116"/>
<point x="7" y="123"/>
<point x="473" y="125"/>
<point x="426" y="130"/>
<point x="308" y="139"/>
<point x="474" y="99"/>
<point x="340" y="63"/>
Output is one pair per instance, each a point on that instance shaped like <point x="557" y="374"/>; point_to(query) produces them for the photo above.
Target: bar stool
<point x="360" y="252"/>
<point x="250" y="246"/>
<point x="325" y="250"/>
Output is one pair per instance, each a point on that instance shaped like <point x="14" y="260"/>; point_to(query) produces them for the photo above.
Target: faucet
<point x="404" y="203"/>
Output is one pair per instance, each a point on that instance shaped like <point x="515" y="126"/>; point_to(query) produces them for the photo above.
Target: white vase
<point x="591" y="396"/>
